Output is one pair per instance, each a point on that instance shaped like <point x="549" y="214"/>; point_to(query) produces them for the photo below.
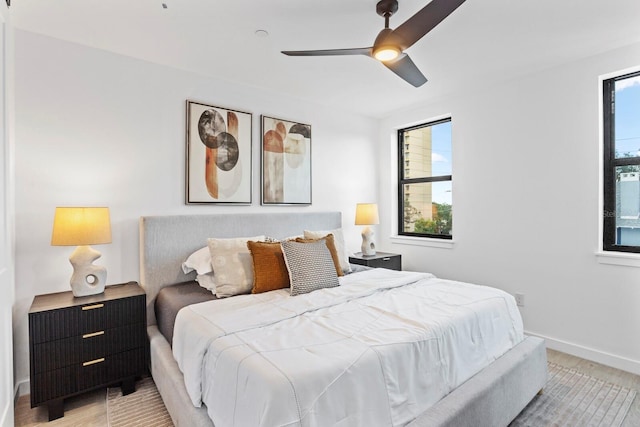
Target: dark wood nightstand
<point x="379" y="260"/>
<point x="80" y="344"/>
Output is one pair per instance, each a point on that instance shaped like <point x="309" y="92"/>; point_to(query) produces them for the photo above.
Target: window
<point x="424" y="181"/>
<point x="621" y="182"/>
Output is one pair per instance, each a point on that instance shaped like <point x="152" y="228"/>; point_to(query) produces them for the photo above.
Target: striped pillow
<point x="310" y="266"/>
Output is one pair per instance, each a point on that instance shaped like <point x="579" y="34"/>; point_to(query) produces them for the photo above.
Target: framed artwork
<point x="286" y="162"/>
<point x="218" y="166"/>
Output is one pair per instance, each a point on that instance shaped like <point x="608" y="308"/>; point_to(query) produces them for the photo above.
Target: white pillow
<point x="200" y="261"/>
<point x="338" y="237"/>
<point x="207" y="281"/>
<point x="232" y="264"/>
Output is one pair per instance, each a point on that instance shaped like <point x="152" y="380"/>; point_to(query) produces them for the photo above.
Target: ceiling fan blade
<point x="414" y="28"/>
<point x="329" y="52"/>
<point x="407" y="70"/>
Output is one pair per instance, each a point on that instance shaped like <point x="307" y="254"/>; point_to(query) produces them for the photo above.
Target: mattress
<point x="171" y="299"/>
<point x="343" y="356"/>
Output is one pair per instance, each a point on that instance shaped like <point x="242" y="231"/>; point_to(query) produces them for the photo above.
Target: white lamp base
<point x="368" y="246"/>
<point x="87" y="279"/>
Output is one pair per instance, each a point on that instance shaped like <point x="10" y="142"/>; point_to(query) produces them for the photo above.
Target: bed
<point x="491" y="397"/>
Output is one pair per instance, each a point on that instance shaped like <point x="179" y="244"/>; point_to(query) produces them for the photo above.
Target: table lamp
<point x="367" y="214"/>
<point x="83" y="226"/>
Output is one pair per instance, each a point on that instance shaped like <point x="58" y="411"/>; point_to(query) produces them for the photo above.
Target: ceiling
<point x="481" y="43"/>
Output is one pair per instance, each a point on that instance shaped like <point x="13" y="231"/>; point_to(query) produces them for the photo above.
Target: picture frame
<point x="286" y="162"/>
<point x="218" y="155"/>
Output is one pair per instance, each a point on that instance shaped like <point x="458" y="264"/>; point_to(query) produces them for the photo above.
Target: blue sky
<point x="441" y="159"/>
<point x="627" y="99"/>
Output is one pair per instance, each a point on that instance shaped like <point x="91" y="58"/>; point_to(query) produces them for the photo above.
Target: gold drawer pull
<point x="91" y="307"/>
<point x="93" y="362"/>
<point x="93" y="334"/>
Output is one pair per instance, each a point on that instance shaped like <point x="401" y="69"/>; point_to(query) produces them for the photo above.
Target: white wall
<point x="6" y="220"/>
<point x="102" y="129"/>
<point x="95" y="128"/>
<point x="525" y="197"/>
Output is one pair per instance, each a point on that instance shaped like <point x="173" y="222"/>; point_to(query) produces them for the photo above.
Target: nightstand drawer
<point x="53" y="355"/>
<point x="53" y="325"/>
<point x="390" y="262"/>
<point x="106" y="370"/>
<point x="87" y="375"/>
<point x="52" y="384"/>
<point x="379" y="260"/>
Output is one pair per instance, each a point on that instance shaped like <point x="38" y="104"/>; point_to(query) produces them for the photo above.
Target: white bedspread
<point x="376" y="351"/>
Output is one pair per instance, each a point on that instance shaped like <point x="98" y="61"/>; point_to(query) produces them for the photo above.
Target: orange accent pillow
<point x="269" y="269"/>
<point x="331" y="245"/>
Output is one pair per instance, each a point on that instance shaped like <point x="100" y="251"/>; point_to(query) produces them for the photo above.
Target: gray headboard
<point x="166" y="241"/>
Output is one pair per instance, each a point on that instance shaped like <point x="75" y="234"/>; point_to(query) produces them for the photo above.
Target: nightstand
<point x="379" y="260"/>
<point x="78" y="344"/>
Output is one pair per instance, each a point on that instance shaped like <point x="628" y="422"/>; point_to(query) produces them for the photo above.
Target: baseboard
<point x="21" y="388"/>
<point x="6" y="418"/>
<point x="618" y="362"/>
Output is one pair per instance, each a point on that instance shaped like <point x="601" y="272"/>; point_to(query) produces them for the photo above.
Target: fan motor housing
<point x="386" y="8"/>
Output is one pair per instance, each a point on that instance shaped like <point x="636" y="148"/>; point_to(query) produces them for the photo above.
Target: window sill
<point x="617" y="258"/>
<point x="423" y="241"/>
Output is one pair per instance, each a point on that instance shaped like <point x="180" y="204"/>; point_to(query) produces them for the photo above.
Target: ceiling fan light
<point x="386" y="53"/>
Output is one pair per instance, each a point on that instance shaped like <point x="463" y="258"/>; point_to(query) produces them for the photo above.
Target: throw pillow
<point x="232" y="264"/>
<point x="269" y="269"/>
<point x="341" y="248"/>
<point x="310" y="266"/>
<point x="329" y="240"/>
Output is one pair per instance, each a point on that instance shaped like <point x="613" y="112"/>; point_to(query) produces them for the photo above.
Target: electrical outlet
<point x="520" y="300"/>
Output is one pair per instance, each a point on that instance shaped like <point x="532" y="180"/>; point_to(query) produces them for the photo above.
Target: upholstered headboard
<point x="166" y="241"/>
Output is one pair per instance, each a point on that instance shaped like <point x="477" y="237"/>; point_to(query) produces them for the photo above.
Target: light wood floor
<point x="90" y="409"/>
<point x="606" y="373"/>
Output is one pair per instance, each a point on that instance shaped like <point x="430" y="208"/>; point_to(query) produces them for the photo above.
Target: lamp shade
<point x="367" y="214"/>
<point x="80" y="226"/>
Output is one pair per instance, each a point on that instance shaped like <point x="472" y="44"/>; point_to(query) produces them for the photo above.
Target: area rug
<point x="142" y="408"/>
<point x="570" y="398"/>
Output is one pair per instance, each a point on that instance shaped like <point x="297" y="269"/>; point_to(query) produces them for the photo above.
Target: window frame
<point x="402" y="181"/>
<point x="610" y="163"/>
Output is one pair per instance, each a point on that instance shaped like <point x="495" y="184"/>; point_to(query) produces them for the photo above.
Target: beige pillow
<point x="269" y="270"/>
<point x="232" y="265"/>
<point x="340" y="246"/>
<point x="329" y="240"/>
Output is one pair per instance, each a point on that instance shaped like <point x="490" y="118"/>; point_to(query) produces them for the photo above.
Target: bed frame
<point x="493" y="397"/>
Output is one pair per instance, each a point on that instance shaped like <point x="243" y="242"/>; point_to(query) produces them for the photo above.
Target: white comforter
<point x="376" y="351"/>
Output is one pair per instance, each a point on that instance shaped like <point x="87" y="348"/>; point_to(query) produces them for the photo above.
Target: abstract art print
<point x="218" y="155"/>
<point x="286" y="162"/>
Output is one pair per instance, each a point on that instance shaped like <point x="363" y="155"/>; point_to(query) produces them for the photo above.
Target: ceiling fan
<point x="390" y="45"/>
